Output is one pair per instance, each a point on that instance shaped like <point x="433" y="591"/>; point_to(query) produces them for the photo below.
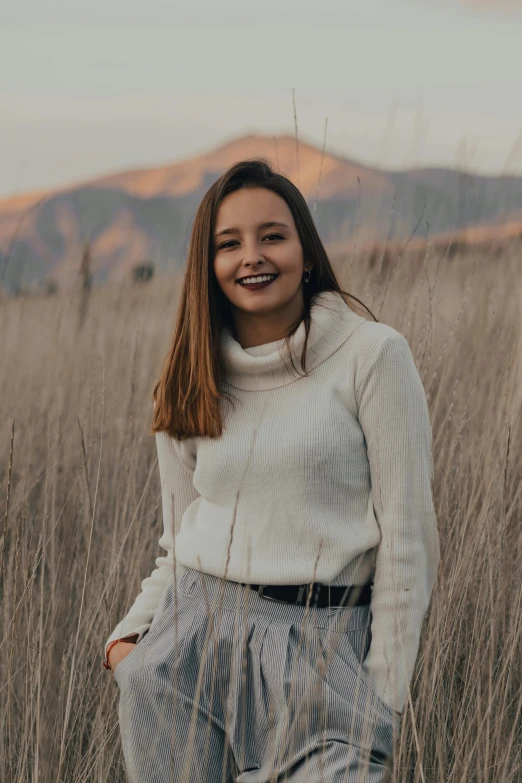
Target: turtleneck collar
<point x="332" y="323"/>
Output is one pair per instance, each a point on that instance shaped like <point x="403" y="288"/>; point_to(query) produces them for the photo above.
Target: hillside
<point x="146" y="214"/>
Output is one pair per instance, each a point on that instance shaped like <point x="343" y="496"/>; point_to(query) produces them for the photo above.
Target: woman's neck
<point x="253" y="329"/>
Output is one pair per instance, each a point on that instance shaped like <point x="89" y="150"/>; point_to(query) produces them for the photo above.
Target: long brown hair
<point x="187" y="395"/>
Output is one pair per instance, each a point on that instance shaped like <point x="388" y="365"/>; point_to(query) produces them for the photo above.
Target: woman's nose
<point x="252" y="251"/>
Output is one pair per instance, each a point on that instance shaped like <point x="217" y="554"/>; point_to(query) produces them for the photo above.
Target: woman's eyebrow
<point x="268" y="224"/>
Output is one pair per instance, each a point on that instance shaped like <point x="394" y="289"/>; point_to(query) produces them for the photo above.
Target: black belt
<point x="322" y="595"/>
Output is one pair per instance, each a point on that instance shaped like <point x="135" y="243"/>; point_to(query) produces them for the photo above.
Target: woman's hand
<point x="118" y="652"/>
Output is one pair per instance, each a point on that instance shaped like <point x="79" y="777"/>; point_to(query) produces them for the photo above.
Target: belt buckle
<point x="260" y="592"/>
<point x="298" y="602"/>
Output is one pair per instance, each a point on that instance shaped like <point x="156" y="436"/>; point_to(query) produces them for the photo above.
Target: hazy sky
<point x="88" y="88"/>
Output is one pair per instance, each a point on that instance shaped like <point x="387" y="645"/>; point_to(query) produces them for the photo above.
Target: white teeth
<point x="259" y="279"/>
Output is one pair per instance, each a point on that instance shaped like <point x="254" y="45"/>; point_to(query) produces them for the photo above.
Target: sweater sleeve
<point x="394" y="416"/>
<point x="177" y="493"/>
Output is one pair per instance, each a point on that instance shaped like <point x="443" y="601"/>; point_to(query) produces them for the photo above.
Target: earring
<point x="305" y="278"/>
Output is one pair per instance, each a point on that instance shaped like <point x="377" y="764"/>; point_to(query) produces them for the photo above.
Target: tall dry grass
<point x="83" y="513"/>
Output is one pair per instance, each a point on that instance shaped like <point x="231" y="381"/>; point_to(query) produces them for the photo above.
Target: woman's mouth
<point x="253" y="286"/>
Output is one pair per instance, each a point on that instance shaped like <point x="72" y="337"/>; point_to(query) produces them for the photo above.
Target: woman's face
<point x="248" y="248"/>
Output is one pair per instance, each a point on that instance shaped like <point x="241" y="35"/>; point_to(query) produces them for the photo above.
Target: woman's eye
<point x="226" y="244"/>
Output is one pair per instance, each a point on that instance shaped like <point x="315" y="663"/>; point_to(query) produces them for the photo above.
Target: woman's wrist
<point x="131" y="638"/>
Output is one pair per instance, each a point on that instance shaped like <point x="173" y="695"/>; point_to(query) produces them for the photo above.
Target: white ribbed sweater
<point x="342" y="457"/>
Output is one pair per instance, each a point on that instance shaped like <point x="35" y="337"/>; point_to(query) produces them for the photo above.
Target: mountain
<point x="145" y="215"/>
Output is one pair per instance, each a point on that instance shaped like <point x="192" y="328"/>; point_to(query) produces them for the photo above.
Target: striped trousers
<point x="228" y="686"/>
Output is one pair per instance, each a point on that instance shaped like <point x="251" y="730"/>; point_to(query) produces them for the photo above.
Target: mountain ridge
<point x="144" y="214"/>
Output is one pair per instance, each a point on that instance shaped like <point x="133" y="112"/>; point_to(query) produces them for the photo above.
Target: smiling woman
<point x="342" y="550"/>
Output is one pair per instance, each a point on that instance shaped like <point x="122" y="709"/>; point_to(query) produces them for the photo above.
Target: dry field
<point x="80" y="487"/>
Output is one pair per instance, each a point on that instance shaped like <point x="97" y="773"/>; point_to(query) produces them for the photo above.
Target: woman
<point x="278" y="637"/>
